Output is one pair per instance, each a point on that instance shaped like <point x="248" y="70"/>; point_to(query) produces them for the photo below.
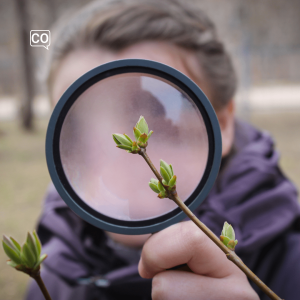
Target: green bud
<point x="224" y="239"/>
<point x="9" y="243"/>
<point x="122" y="139"/>
<point x="162" y="195"/>
<point x="160" y="187"/>
<point x="31" y="244"/>
<point x="164" y="174"/>
<point x="11" y="252"/>
<point x="228" y="236"/>
<point x="116" y="141"/>
<point x="37" y="242"/>
<point x="150" y="133"/>
<point x="27" y="256"/>
<point x="224" y="231"/>
<point x="128" y="138"/>
<point x="135" y="147"/>
<point x="136" y="133"/>
<point x="12" y="263"/>
<point x="16" y="244"/>
<point x="172" y="181"/>
<point x="125" y="147"/>
<point x="230" y="232"/>
<point x="231" y="244"/>
<point x="41" y="259"/>
<point x="142" y="125"/>
<point x="154" y="187"/>
<point x="166" y="167"/>
<point x="172" y="173"/>
<point x="143" y="138"/>
<point x="164" y="182"/>
<point x="153" y="180"/>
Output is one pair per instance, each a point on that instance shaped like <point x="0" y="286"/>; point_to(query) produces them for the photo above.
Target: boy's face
<point x="82" y="60"/>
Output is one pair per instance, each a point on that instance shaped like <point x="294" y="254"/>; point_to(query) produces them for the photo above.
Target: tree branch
<point x="231" y="255"/>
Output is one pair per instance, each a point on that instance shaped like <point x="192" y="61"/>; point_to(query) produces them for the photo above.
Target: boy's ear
<point x="226" y="120"/>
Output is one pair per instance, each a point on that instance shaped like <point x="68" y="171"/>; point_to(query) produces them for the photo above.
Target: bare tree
<point x="27" y="63"/>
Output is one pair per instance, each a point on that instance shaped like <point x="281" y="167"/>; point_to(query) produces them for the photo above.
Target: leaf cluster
<point x="27" y="258"/>
<point x="141" y="134"/>
<point x="228" y="236"/>
<point x="169" y="180"/>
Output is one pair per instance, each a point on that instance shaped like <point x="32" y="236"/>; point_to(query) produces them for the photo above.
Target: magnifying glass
<point x="108" y="187"/>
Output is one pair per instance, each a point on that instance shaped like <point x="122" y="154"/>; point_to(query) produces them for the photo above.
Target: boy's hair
<point x="117" y="24"/>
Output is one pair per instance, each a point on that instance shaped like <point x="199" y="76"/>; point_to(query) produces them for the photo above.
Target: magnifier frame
<point x="97" y="74"/>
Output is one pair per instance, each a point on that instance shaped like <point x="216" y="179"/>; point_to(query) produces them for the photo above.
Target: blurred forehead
<point x="80" y="61"/>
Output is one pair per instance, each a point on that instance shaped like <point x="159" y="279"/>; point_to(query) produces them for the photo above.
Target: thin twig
<point x="231" y="255"/>
<point x="37" y="277"/>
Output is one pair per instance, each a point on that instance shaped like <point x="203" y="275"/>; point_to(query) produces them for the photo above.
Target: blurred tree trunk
<point x="52" y="9"/>
<point x="27" y="63"/>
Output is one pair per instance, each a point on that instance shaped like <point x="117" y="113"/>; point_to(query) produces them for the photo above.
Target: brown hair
<point x="117" y="24"/>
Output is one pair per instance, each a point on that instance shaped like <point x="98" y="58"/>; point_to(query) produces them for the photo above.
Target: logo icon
<point x="40" y="38"/>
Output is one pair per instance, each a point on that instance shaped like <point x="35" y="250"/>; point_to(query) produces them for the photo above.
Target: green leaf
<point x="31" y="243"/>
<point x="11" y="253"/>
<point x="171" y="170"/>
<point x="41" y="259"/>
<point x="122" y="139"/>
<point x="136" y="133"/>
<point x="128" y="138"/>
<point x="225" y="240"/>
<point x="149" y="134"/>
<point x="135" y="146"/>
<point x="231" y="244"/>
<point x="142" y="125"/>
<point x="160" y="187"/>
<point x="125" y="147"/>
<point x="162" y="195"/>
<point x="115" y="139"/>
<point x="153" y="180"/>
<point x="166" y="167"/>
<point x="143" y="138"/>
<point x="12" y="263"/>
<point x="164" y="182"/>
<point x="17" y="245"/>
<point x="172" y="181"/>
<point x="8" y="242"/>
<point x="37" y="242"/>
<point x="27" y="256"/>
<point x="224" y="229"/>
<point x="230" y="232"/>
<point x="164" y="174"/>
<point x="154" y="187"/>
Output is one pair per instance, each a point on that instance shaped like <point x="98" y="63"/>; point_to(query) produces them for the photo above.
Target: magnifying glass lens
<point x="112" y="181"/>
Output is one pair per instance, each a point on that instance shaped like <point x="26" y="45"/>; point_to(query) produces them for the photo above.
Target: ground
<point x="24" y="178"/>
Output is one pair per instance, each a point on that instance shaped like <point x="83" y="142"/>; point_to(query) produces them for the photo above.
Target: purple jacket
<point x="251" y="193"/>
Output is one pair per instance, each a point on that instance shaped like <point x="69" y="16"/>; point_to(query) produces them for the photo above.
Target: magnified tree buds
<point x="27" y="258"/>
<point x="228" y="236"/>
<point x="158" y="188"/>
<point x="141" y="134"/>
<point x="167" y="174"/>
<point x="169" y="180"/>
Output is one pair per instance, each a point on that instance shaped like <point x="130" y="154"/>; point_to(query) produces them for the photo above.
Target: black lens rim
<point x="71" y="95"/>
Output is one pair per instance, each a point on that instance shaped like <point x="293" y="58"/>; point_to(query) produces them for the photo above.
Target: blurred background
<point x="262" y="37"/>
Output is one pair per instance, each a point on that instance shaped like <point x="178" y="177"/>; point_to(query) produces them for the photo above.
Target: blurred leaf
<point x="164" y="174"/>
<point x="37" y="242"/>
<point x="11" y="253"/>
<point x="142" y="125"/>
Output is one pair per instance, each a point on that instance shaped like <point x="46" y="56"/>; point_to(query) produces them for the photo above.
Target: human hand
<point x="213" y="276"/>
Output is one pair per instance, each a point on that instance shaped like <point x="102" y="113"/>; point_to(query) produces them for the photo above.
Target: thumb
<point x="184" y="243"/>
